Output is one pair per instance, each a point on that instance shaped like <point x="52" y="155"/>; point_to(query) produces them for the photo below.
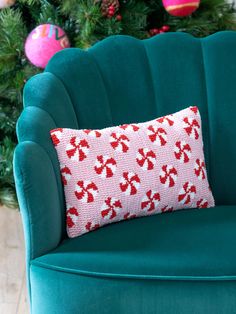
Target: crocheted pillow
<point x="132" y="170"/>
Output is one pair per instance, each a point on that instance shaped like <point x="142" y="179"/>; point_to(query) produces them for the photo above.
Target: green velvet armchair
<point x="175" y="263"/>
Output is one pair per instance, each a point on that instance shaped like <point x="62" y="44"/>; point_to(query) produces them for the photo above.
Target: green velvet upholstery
<point x="175" y="263"/>
<point x="187" y="245"/>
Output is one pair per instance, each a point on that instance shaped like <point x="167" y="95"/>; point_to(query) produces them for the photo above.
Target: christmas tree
<point x="85" y="22"/>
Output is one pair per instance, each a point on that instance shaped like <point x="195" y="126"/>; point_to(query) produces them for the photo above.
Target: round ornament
<point x="6" y="3"/>
<point x="181" y="7"/>
<point x="43" y="42"/>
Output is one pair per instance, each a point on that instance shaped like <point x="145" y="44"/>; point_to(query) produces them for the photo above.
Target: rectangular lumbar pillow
<point x="132" y="170"/>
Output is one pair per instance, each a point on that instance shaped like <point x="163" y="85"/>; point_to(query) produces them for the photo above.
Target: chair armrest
<point x="38" y="198"/>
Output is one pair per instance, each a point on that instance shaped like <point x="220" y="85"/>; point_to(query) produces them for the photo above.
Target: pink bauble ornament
<point x="181" y="7"/>
<point x="43" y="42"/>
<point x="6" y="3"/>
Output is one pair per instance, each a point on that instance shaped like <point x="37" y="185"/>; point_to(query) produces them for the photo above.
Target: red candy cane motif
<point x="146" y="158"/>
<point x="93" y="133"/>
<point x="182" y="151"/>
<point x="157" y="136"/>
<point x="166" y="209"/>
<point x="168" y="176"/>
<point x="119" y="142"/>
<point x="130" y="127"/>
<point x="65" y="174"/>
<point x="200" y="169"/>
<point x="195" y="110"/>
<point x="192" y="127"/>
<point x="202" y="203"/>
<point x="110" y="208"/>
<point x="150" y="201"/>
<point x="56" y="136"/>
<point x="86" y="191"/>
<point x="187" y="193"/>
<point x="77" y="149"/>
<point x="90" y="226"/>
<point x="71" y="216"/>
<point x="166" y="120"/>
<point x="129" y="183"/>
<point x="105" y="166"/>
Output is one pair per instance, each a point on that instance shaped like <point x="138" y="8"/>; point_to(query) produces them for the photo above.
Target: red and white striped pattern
<point x="150" y="201"/>
<point x="119" y="142"/>
<point x="192" y="127"/>
<point x="146" y="158"/>
<point x="187" y="193"/>
<point x="71" y="217"/>
<point x="130" y="127"/>
<point x="86" y="191"/>
<point x="157" y="136"/>
<point x="182" y="151"/>
<point x="56" y="136"/>
<point x="129" y="183"/>
<point x="200" y="169"/>
<point x="202" y="203"/>
<point x="167" y="208"/>
<point x="168" y="176"/>
<point x="77" y="149"/>
<point x="90" y="226"/>
<point x="166" y="120"/>
<point x="93" y="133"/>
<point x="65" y="174"/>
<point x="195" y="110"/>
<point x="110" y="208"/>
<point x="129" y="216"/>
<point x="105" y="166"/>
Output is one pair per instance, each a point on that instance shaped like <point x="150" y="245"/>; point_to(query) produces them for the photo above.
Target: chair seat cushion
<point x="190" y="244"/>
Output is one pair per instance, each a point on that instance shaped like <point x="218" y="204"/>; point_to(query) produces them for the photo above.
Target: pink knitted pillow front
<point x="132" y="170"/>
